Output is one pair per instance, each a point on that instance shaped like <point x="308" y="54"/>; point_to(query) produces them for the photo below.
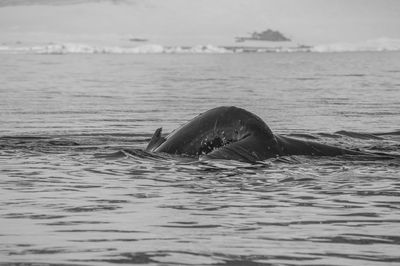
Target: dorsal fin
<point x="156" y="140"/>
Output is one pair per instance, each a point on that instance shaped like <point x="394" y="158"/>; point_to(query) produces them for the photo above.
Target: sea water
<point x="76" y="187"/>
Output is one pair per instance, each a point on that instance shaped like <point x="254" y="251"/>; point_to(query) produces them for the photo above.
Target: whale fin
<point x="156" y="140"/>
<point x="250" y="149"/>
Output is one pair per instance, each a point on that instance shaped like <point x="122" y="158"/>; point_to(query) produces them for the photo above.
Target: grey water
<point x="76" y="187"/>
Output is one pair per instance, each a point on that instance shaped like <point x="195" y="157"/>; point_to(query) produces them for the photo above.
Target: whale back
<point x="233" y="133"/>
<point x="213" y="129"/>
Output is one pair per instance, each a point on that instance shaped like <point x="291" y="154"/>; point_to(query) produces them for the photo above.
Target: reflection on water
<point x="77" y="187"/>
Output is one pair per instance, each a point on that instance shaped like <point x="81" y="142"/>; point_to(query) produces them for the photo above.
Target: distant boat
<point x="267" y="35"/>
<point x="138" y="40"/>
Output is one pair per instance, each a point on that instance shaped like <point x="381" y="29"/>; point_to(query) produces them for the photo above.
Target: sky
<point x="190" y="22"/>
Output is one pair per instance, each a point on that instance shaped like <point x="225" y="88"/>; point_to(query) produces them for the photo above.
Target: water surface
<point x="76" y="187"/>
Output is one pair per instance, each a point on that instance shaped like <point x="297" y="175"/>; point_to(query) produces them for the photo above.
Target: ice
<point x="381" y="44"/>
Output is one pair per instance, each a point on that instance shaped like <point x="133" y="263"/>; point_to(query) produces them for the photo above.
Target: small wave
<point x="304" y="136"/>
<point x="357" y="135"/>
<point x="142" y="154"/>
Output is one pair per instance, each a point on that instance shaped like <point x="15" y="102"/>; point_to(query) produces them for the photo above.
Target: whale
<point x="232" y="133"/>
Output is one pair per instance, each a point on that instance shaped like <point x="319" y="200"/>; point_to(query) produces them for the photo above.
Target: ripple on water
<point x="77" y="188"/>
